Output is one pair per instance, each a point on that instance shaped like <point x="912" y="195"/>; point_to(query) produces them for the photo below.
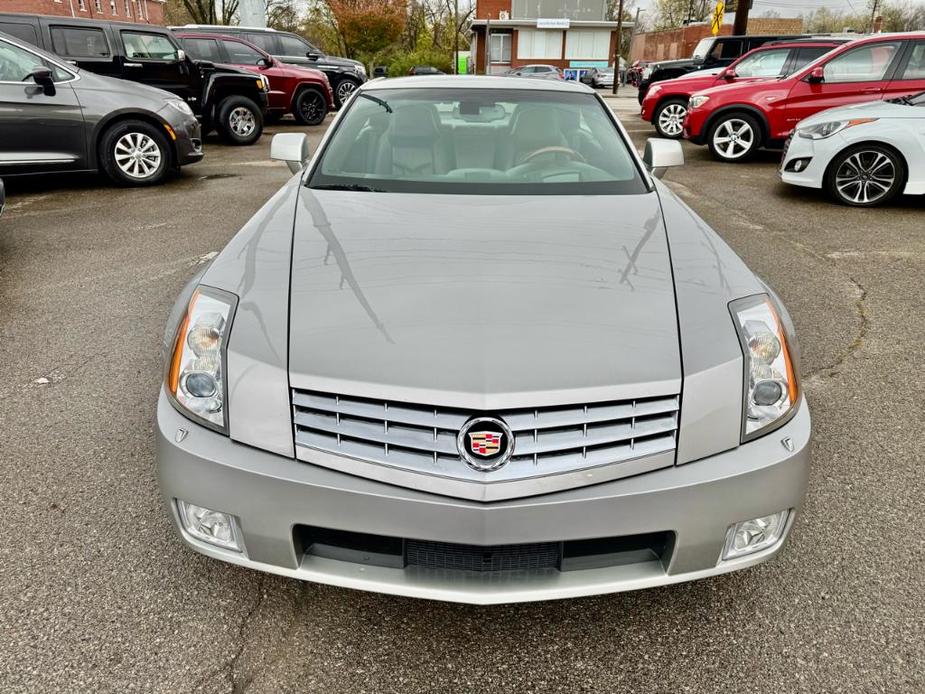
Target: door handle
<point x="133" y="65"/>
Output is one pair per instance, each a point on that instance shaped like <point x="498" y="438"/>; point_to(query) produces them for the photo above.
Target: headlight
<point x="359" y="69"/>
<point x="196" y="372"/>
<point x="698" y="100"/>
<point x="771" y="387"/>
<point x="180" y="106"/>
<point x="824" y="130"/>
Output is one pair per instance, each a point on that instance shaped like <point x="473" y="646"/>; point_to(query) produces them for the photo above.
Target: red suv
<point x="665" y="103"/>
<point x="302" y="91"/>
<point x="736" y="120"/>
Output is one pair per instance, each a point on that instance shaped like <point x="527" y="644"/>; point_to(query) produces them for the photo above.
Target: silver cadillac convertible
<point x="475" y="351"/>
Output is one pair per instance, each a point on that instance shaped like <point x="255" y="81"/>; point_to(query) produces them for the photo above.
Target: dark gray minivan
<point x="56" y="117"/>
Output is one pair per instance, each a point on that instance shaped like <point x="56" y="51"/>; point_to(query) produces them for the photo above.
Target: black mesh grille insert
<point x="444" y="555"/>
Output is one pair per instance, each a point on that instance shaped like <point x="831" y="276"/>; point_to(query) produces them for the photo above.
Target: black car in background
<point x="711" y="52"/>
<point x="56" y="117"/>
<point x="226" y="99"/>
<point x="345" y="75"/>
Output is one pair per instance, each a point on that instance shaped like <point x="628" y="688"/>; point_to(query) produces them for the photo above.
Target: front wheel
<point x="734" y="138"/>
<point x="240" y="121"/>
<point x="310" y="107"/>
<point x="134" y="153"/>
<point x="344" y="89"/>
<point x="865" y="176"/>
<point x="669" y="118"/>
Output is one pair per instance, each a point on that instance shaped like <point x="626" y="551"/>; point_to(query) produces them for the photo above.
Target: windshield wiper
<point x="347" y="186"/>
<point x="376" y="99"/>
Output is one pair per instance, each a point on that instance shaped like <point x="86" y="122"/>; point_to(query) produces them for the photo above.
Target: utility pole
<point x="455" y="37"/>
<point x="741" y="21"/>
<point x="616" y="50"/>
<point x="873" y="15"/>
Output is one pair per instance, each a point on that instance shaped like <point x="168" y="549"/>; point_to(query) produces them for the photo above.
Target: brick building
<point x="565" y="33"/>
<point x="142" y="11"/>
<point x="672" y="44"/>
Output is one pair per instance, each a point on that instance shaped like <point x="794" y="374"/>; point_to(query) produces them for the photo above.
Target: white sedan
<point x="863" y="155"/>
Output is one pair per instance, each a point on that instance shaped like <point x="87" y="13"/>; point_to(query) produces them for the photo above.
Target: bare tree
<point x="211" y="11"/>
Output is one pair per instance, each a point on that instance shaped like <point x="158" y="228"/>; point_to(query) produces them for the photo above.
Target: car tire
<point x="135" y="153"/>
<point x="344" y="89"/>
<point x="866" y="175"/>
<point x="668" y="118"/>
<point x="240" y="121"/>
<point x="310" y="107"/>
<point x="735" y="137"/>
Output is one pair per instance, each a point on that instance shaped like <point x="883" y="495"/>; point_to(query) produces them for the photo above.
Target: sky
<point x="790" y="8"/>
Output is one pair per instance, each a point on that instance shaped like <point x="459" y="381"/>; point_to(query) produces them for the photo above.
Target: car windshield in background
<point x="477" y="141"/>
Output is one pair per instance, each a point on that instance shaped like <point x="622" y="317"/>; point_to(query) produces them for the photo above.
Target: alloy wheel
<point x="671" y="119"/>
<point x="734" y="138"/>
<point x="310" y="106"/>
<point x="865" y="177"/>
<point x="241" y="121"/>
<point x="137" y="155"/>
<point x="344" y="90"/>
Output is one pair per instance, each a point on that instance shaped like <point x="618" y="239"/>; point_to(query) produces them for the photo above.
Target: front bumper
<point x="271" y="495"/>
<point x="188" y="132"/>
<point x="815" y="156"/>
<point x="694" y="126"/>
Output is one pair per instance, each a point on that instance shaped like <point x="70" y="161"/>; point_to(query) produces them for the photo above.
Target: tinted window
<point x="726" y="50"/>
<point x="79" y="42"/>
<point x="915" y="68"/>
<point x="23" y="32"/>
<point x="203" y="49"/>
<point x="241" y="54"/>
<point x="478" y="141"/>
<point x="864" y="64"/>
<point x="768" y="63"/>
<point x="807" y="55"/>
<point x="140" y="46"/>
<point x="293" y="46"/>
<point x="266" y="41"/>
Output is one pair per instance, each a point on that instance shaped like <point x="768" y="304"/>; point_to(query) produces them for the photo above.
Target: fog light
<point x="210" y="526"/>
<point x="748" y="537"/>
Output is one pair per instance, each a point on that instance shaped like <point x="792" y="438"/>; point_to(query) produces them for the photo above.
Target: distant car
<point x="425" y="70"/>
<point x="225" y="99"/>
<point x="737" y="120"/>
<point x="55" y="117"/>
<point x="543" y="72"/>
<point x="598" y="77"/>
<point x="344" y="74"/>
<point x="302" y="91"/>
<point x="665" y="104"/>
<point x="862" y="155"/>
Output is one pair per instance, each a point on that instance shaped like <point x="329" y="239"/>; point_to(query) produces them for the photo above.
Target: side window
<point x="79" y="42"/>
<point x="915" y="68"/>
<point x="139" y="46"/>
<point x="290" y="45"/>
<point x="16" y="64"/>
<point x="241" y="54"/>
<point x="864" y="64"/>
<point x="725" y="50"/>
<point x="768" y="63"/>
<point x="23" y="32"/>
<point x="266" y="41"/>
<point x="203" y="49"/>
<point x="807" y="55"/>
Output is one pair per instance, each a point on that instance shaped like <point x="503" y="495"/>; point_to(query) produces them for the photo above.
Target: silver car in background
<point x="475" y="351"/>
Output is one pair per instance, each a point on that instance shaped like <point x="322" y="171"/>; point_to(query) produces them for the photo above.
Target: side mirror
<point x="181" y="56"/>
<point x="264" y="62"/>
<point x="43" y="77"/>
<point x="2" y="196"/>
<point x="661" y="154"/>
<point x="728" y="74"/>
<point x="291" y="148"/>
<point x="311" y="55"/>
<point x="698" y="60"/>
<point x="816" y="76"/>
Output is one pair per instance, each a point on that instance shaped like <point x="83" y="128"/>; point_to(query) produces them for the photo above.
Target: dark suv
<point x="713" y="52"/>
<point x="224" y="98"/>
<point x="344" y="74"/>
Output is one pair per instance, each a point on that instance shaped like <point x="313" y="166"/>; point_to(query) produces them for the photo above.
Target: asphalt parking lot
<point x="98" y="595"/>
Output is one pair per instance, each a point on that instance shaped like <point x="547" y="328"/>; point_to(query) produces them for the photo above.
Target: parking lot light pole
<point x="616" y="50"/>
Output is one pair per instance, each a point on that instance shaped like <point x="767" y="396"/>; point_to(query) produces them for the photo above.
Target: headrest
<point x="417" y="121"/>
<point x="535" y="124"/>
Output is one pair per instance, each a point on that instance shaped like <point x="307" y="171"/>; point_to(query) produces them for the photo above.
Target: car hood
<point x="868" y="109"/>
<point x="482" y="301"/>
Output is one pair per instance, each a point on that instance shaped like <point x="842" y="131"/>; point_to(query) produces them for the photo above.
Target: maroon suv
<point x="304" y="92"/>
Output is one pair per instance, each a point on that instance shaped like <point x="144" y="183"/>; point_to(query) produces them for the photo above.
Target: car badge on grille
<point x="485" y="443"/>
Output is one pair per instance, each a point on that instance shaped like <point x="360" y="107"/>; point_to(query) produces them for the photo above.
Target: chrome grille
<point x="547" y="440"/>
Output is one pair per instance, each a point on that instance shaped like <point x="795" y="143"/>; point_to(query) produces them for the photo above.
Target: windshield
<point x="477" y="141"/>
<point x="702" y="48"/>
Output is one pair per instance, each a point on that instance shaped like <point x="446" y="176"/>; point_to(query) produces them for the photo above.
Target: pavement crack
<point x="241" y="639"/>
